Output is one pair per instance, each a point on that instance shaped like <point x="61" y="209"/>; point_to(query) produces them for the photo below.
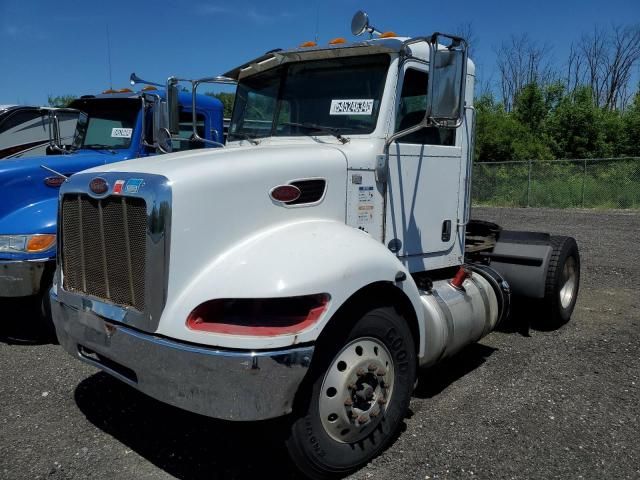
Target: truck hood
<point x="220" y="199"/>
<point x="22" y="179"/>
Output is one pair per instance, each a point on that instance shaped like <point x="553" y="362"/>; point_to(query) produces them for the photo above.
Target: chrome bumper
<point x="21" y="278"/>
<point x="230" y="385"/>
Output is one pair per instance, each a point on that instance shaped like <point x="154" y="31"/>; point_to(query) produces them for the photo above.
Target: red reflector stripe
<point x="258" y="317"/>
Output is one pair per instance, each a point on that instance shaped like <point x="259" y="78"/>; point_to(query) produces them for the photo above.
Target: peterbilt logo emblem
<point x="98" y="186"/>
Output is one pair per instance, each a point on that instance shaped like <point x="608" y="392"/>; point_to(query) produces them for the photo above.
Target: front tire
<point x="357" y="394"/>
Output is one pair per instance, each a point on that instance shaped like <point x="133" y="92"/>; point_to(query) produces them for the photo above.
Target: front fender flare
<point x="302" y="258"/>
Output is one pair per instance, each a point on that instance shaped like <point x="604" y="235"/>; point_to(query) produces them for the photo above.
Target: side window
<point x="186" y="130"/>
<point x="412" y="108"/>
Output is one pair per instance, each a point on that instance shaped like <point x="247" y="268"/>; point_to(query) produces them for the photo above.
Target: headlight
<point x="27" y="243"/>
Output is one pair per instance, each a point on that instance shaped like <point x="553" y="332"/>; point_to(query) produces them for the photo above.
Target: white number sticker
<point x="121" y="132"/>
<point x="351" y="107"/>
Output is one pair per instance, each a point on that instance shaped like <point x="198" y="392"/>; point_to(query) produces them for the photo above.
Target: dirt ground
<point x="520" y="404"/>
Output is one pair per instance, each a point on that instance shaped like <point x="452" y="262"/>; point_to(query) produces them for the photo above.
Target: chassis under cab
<point x="311" y="267"/>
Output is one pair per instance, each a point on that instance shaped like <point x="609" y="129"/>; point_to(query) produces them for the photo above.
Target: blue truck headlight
<point x="27" y="243"/>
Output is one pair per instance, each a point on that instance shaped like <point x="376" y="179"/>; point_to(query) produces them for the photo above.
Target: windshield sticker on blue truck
<point x="351" y="107"/>
<point x="121" y="132"/>
<point x="133" y="185"/>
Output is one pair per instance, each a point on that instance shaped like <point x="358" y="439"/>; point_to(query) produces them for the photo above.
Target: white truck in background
<point x="314" y="264"/>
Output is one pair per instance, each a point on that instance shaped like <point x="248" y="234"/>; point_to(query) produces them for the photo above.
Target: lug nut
<point x="352" y="386"/>
<point x="381" y="372"/>
<point x="362" y="419"/>
<point x="372" y="367"/>
<point x="382" y="400"/>
<point x="348" y="402"/>
<point x="360" y="372"/>
<point x="374" y="414"/>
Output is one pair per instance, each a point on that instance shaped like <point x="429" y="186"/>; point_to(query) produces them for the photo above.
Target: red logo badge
<point x="117" y="187"/>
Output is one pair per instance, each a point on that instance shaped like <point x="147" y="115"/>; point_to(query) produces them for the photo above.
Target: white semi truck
<point x="312" y="266"/>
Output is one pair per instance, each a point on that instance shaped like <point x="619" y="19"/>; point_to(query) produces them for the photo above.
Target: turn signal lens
<point x="40" y="243"/>
<point x="258" y="316"/>
<point x="109" y="90"/>
<point x="308" y="44"/>
<point x="337" y="41"/>
<point x="388" y="35"/>
<point x="148" y="88"/>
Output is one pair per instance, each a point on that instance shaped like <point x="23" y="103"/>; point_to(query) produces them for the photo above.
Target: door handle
<point x="446" y="231"/>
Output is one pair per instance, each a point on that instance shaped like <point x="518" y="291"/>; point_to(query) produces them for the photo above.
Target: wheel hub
<point x="356" y="390"/>
<point x="569" y="281"/>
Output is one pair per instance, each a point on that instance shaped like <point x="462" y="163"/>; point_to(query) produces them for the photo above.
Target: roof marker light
<point x="388" y="35"/>
<point x="109" y="90"/>
<point x="337" y="41"/>
<point x="308" y="44"/>
<point x="148" y="88"/>
<point x="124" y="90"/>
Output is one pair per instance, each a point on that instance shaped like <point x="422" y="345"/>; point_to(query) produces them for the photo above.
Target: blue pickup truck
<point x="111" y="127"/>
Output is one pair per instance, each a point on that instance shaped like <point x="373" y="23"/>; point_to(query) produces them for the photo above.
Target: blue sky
<point x="60" y="47"/>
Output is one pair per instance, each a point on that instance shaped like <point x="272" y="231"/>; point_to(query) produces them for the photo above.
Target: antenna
<point x="109" y="58"/>
<point x="317" y="20"/>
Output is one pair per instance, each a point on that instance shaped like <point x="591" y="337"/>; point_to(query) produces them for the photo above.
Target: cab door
<point x="421" y="215"/>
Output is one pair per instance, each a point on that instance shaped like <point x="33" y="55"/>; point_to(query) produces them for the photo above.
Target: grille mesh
<point x="104" y="248"/>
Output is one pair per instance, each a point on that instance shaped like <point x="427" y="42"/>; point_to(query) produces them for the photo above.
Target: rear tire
<point x="562" y="282"/>
<point x="356" y="395"/>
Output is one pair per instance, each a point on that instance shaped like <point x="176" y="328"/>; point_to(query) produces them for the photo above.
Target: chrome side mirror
<point x="447" y="80"/>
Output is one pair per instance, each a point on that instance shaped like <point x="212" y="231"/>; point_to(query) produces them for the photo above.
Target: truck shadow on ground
<point x="184" y="444"/>
<point x="21" y="324"/>
<point x="190" y="446"/>
<point x="434" y="380"/>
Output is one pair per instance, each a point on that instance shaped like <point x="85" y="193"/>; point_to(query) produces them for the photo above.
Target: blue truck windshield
<point x="109" y="122"/>
<point x="336" y="96"/>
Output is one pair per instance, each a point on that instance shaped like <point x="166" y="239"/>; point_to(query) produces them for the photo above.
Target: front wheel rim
<point x="356" y="390"/>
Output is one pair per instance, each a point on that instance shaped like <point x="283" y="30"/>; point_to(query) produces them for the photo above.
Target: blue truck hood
<point x="29" y="206"/>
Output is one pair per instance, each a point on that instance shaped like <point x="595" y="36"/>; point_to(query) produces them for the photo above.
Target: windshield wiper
<point x="248" y="138"/>
<point x="320" y="128"/>
<point x="100" y="146"/>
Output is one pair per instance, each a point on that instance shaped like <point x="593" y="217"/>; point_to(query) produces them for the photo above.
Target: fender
<point x="39" y="217"/>
<point x="307" y="257"/>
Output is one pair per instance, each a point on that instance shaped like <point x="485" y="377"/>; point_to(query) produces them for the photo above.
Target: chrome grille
<point x="104" y="246"/>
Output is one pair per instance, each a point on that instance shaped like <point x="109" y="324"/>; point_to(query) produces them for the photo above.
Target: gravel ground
<point x="519" y="404"/>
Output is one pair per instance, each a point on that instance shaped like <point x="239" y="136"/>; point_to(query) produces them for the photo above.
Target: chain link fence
<point x="586" y="183"/>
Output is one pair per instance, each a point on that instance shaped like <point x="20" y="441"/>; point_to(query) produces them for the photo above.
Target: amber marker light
<point x="337" y="41"/>
<point x="388" y="35"/>
<point x="308" y="44"/>
<point x="40" y="243"/>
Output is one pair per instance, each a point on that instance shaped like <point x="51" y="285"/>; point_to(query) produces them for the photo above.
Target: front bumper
<point x="225" y="384"/>
<point x="21" y="278"/>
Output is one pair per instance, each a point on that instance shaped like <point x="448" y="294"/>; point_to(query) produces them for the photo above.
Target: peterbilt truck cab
<point x="313" y="265"/>
<point x="111" y="127"/>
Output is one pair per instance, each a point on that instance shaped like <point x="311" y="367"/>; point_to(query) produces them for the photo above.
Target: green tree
<point x="60" y="101"/>
<point x="631" y="120"/>
<point x="227" y="100"/>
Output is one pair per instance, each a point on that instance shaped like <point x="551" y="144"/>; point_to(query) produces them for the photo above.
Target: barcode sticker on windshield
<point x="121" y="132"/>
<point x="351" y="107"/>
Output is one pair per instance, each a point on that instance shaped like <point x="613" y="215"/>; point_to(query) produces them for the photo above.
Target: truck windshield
<point x="109" y="122"/>
<point x="322" y="97"/>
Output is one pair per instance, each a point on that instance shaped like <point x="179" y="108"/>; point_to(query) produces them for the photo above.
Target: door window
<point x="411" y="111"/>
